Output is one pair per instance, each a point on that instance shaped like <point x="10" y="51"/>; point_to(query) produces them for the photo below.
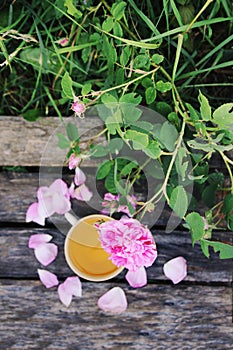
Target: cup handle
<point x="71" y="218"/>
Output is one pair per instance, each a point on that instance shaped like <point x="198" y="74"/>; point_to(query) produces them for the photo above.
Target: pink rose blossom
<point x="64" y="41"/>
<point x="175" y="269"/>
<point x="78" y="108"/>
<point x="74" y="161"/>
<point x="129" y="243"/>
<point x="113" y="301"/>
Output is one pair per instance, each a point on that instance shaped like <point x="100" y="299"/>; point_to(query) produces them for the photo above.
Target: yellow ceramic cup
<point x="84" y="253"/>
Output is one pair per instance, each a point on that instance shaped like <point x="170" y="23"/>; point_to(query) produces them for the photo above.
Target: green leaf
<point x="152" y="150"/>
<point x="205" y="108"/>
<point x="209" y="195"/>
<point x="71" y="9"/>
<point x="110" y="183"/>
<point x="141" y="61"/>
<point x="62" y="141"/>
<point x="131" y="98"/>
<point x="127" y="169"/>
<point x="72" y="132"/>
<point x="31" y="115"/>
<point x="115" y="145"/>
<point x="118" y="9"/>
<point x="150" y="95"/>
<point x="225" y="250"/>
<point x="196" y="225"/>
<point x="108" y="98"/>
<point x="157" y="59"/>
<point x="86" y="89"/>
<point x="125" y="55"/>
<point x="103" y="170"/>
<point x="117" y="30"/>
<point x="228" y="204"/>
<point x="139" y="139"/>
<point x="163" y="86"/>
<point x="108" y="24"/>
<point x="163" y="108"/>
<point x="130" y="113"/>
<point x="99" y="151"/>
<point x="168" y="136"/>
<point x="223" y="116"/>
<point x="179" y="201"/>
<point x="180" y="163"/>
<point x="66" y="84"/>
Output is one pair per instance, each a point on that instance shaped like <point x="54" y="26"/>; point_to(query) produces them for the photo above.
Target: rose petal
<point x="82" y="193"/>
<point x="175" y="269"/>
<point x="113" y="301"/>
<point x="80" y="177"/>
<point x="64" y="296"/>
<point x="74" y="161"/>
<point x="61" y="204"/>
<point x="33" y="214"/>
<point x="48" y="279"/>
<point x="59" y="186"/>
<point x="46" y="253"/>
<point x="73" y="286"/>
<point x="137" y="279"/>
<point x="36" y="240"/>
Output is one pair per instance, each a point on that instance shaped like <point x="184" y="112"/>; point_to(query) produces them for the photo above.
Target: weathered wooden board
<point x="18" y="191"/>
<point x="158" y="317"/>
<point x="18" y="261"/>
<point x="26" y="143"/>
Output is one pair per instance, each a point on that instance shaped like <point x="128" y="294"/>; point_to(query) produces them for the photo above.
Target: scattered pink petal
<point x="74" y="161"/>
<point x="113" y="301"/>
<point x="46" y="253"/>
<point x="137" y="279"/>
<point x="65" y="297"/>
<point x="71" y="286"/>
<point x="83" y="193"/>
<point x="36" y="240"/>
<point x="74" y="286"/>
<point x="33" y="215"/>
<point x="48" y="279"/>
<point x="175" y="269"/>
<point x="80" y="177"/>
<point x="53" y="199"/>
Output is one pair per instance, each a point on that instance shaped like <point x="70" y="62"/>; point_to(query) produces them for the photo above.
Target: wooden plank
<point x="158" y="317"/>
<point x="24" y="143"/>
<point x="18" y="191"/>
<point x="18" y="261"/>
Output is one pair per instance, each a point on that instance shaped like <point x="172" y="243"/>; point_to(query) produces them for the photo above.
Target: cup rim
<point x="74" y="268"/>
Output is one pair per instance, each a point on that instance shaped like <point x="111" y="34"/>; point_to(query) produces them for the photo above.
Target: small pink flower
<point x="71" y="287"/>
<point x="138" y="278"/>
<point x="74" y="161"/>
<point x="64" y="41"/>
<point x="79" y="177"/>
<point x="48" y="279"/>
<point x="113" y="301"/>
<point x="175" y="269"/>
<point x="82" y="193"/>
<point x="78" y="108"/>
<point x="129" y="243"/>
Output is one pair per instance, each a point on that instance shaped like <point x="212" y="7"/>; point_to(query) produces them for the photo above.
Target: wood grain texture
<point x="26" y="143"/>
<point x="18" y="261"/>
<point x="158" y="317"/>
